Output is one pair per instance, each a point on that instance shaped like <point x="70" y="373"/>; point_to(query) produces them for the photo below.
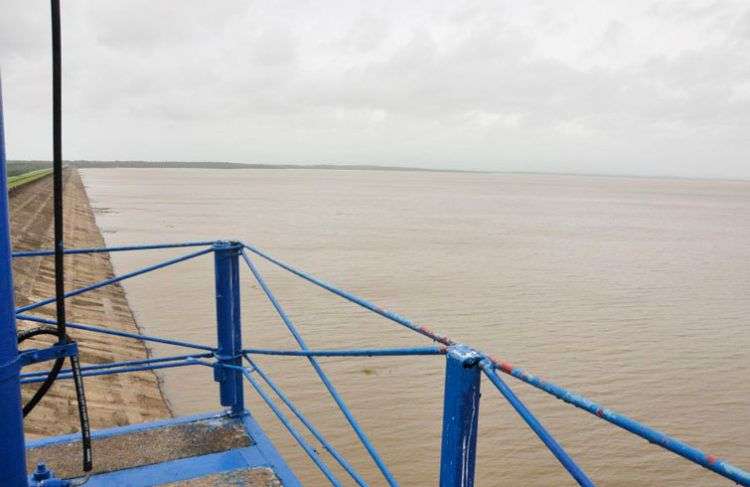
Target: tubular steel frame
<point x="464" y="367"/>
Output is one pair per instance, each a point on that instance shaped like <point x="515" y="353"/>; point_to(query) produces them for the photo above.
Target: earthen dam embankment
<point x="113" y="400"/>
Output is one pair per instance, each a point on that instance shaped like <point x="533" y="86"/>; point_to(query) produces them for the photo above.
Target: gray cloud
<point x="637" y="88"/>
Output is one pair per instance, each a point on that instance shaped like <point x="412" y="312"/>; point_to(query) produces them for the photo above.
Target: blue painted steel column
<point x="228" y="324"/>
<point x="12" y="449"/>
<point x="460" y="417"/>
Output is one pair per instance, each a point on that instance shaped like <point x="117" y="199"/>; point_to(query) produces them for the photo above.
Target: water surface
<point x="634" y="292"/>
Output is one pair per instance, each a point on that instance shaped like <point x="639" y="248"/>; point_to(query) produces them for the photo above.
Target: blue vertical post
<point x="460" y="417"/>
<point x="12" y="449"/>
<point x="228" y="324"/>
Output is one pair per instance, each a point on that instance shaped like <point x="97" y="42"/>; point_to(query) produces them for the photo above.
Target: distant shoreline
<point x="20" y="166"/>
<point x="232" y="165"/>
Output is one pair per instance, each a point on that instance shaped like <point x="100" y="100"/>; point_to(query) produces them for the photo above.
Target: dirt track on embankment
<point x="113" y="400"/>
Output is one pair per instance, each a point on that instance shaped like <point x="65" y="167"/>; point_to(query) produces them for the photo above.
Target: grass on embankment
<point x="20" y="179"/>
<point x="16" y="168"/>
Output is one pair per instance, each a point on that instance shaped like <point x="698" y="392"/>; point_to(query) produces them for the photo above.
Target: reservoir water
<point x="634" y="292"/>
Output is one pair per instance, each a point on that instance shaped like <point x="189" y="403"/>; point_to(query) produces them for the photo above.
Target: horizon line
<point x="95" y="164"/>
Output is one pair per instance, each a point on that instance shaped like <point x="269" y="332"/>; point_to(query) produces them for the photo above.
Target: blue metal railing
<point x="464" y="367"/>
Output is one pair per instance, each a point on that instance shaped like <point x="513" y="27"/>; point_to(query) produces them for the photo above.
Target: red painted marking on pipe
<point x="711" y="459"/>
<point x="600" y="412"/>
<point x="502" y="365"/>
<point x="505" y="367"/>
<point x="438" y="338"/>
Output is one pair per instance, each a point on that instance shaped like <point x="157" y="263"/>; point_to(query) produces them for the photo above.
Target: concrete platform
<point x="246" y="476"/>
<point x="205" y="450"/>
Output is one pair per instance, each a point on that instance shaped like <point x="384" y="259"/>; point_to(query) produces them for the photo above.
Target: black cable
<point x="57" y="166"/>
<point x="58" y="204"/>
<point x="83" y="414"/>
<point x="50" y="379"/>
<point x="57" y="171"/>
<point x="39" y="394"/>
<point x="59" y="331"/>
<point x="58" y="216"/>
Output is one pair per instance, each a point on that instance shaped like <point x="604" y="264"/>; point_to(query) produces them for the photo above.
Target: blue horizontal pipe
<point x="361" y="352"/>
<point x="120" y="370"/>
<point x="125" y="334"/>
<point x="310" y="427"/>
<point x="125" y="363"/>
<point x="311" y="452"/>
<point x="322" y="375"/>
<point x="557" y="450"/>
<point x="395" y="317"/>
<point x="693" y="454"/>
<point x="112" y="280"/>
<point x="121" y="248"/>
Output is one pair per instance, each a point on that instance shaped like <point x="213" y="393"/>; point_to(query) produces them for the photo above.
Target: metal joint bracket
<point x="220" y="374"/>
<point x="28" y="357"/>
<point x="467" y="356"/>
<point x="227" y="358"/>
<point x="222" y="367"/>
<point x="228" y="245"/>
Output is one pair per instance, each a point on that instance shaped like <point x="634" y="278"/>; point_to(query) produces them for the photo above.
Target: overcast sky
<point x="631" y="87"/>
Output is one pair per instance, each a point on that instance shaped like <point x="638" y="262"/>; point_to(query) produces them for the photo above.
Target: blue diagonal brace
<point x="323" y="377"/>
<point x="557" y="450"/>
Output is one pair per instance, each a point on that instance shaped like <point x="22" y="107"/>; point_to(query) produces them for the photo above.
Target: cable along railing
<point x="233" y="365"/>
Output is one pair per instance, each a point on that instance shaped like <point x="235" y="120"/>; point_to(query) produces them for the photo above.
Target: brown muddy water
<point x="634" y="292"/>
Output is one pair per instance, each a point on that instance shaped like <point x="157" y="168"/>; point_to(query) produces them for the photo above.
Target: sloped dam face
<point x="634" y="292"/>
<point x="114" y="400"/>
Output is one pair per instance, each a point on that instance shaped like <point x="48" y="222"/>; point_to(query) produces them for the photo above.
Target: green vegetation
<point x="22" y="172"/>
<point x="16" y="168"/>
<point x="27" y="177"/>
